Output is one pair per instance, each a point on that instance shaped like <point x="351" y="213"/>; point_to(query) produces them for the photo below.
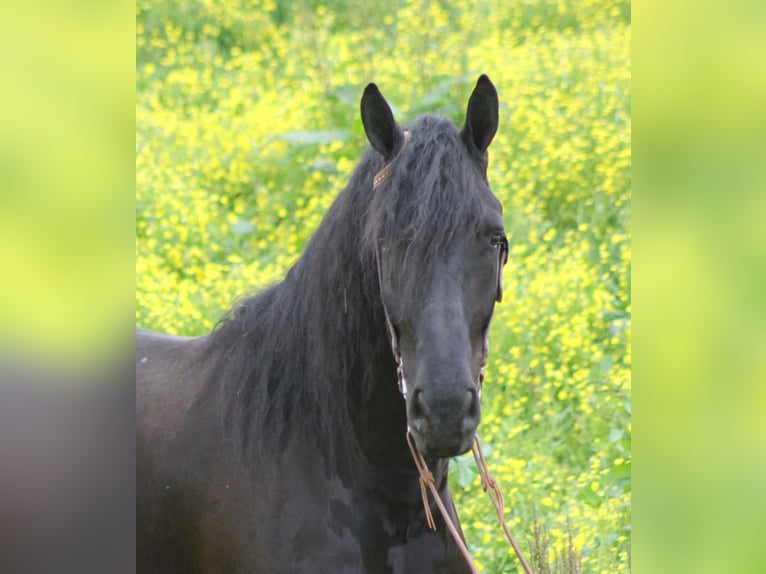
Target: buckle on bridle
<point x="383" y="174"/>
<point x="402" y="378"/>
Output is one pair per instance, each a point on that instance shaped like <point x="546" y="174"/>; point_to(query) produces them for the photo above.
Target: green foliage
<point x="248" y="126"/>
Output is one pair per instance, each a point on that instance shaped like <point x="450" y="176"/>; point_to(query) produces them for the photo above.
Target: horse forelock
<point x="435" y="192"/>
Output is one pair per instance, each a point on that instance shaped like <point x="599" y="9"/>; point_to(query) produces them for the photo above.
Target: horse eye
<point x="498" y="239"/>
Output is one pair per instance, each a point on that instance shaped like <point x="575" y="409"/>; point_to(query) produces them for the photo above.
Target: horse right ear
<point x="379" y="124"/>
<point x="481" y="117"/>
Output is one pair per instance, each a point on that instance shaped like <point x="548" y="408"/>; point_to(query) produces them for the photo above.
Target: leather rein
<point x="426" y="477"/>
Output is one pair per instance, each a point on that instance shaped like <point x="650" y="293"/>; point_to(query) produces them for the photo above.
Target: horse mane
<point x="431" y="196"/>
<point x="297" y="357"/>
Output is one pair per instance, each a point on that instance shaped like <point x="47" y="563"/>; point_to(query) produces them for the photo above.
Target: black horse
<point x="277" y="443"/>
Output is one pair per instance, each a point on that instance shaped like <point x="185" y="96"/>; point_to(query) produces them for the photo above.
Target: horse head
<point x="436" y="233"/>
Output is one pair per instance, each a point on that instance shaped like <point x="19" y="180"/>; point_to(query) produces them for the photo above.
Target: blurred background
<point x="67" y="398"/>
<point x="700" y="268"/>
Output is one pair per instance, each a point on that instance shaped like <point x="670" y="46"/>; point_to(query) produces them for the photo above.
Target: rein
<point x="488" y="483"/>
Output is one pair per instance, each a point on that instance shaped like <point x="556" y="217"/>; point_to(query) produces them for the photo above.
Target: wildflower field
<point x="247" y="122"/>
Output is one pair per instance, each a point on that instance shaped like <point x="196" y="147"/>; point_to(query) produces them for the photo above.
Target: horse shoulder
<point x="168" y="382"/>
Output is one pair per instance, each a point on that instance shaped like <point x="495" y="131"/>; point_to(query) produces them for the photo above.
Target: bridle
<point x="502" y="258"/>
<point x="426" y="478"/>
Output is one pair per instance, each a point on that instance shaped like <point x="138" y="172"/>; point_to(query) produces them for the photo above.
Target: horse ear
<point x="481" y="118"/>
<point x="379" y="123"/>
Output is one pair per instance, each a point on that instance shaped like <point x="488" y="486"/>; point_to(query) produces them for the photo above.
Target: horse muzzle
<point x="443" y="424"/>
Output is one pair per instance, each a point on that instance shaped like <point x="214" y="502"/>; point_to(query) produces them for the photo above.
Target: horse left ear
<point x="379" y="124"/>
<point x="481" y="118"/>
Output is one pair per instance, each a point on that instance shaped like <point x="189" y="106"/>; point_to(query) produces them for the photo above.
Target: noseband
<point x="502" y="258"/>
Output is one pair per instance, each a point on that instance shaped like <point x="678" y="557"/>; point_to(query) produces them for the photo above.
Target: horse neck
<point x="345" y="309"/>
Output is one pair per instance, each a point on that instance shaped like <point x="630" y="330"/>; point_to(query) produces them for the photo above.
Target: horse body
<point x="202" y="509"/>
<point x="277" y="443"/>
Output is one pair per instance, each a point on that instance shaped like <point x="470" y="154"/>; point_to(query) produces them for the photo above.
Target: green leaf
<point x="619" y="472"/>
<point x="616" y="434"/>
<point x="465" y="470"/>
<point x="242" y="227"/>
<point x="314" y="137"/>
<point x="323" y="165"/>
<point x="348" y="94"/>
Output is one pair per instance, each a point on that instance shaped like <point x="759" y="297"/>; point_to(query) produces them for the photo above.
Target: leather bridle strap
<point x="379" y="178"/>
<point x="392" y="336"/>
<point x="496" y="498"/>
<point x="427" y="481"/>
<point x="383" y="174"/>
<point x="488" y="484"/>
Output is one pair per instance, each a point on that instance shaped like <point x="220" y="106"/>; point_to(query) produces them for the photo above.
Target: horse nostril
<point x="418" y="409"/>
<point x="471" y="405"/>
<point x="418" y="412"/>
